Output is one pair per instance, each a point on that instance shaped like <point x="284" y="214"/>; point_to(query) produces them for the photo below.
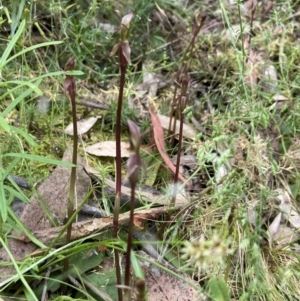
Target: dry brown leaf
<point x="83" y="126"/>
<point x="279" y="97"/>
<point x="285" y="235"/>
<point x="188" y="131"/>
<point x="287" y="208"/>
<point x="273" y="228"/>
<point x="160" y="143"/>
<point x="108" y="149"/>
<point x="139" y="220"/>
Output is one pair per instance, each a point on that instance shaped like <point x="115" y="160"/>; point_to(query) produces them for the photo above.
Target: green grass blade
<point x="218" y="289"/>
<point x="15" y="102"/>
<point x="4" y="125"/>
<point x="136" y="266"/>
<point x="11" y="44"/>
<point x="21" y="83"/>
<point x="17" y="11"/>
<point x="3" y="203"/>
<point x="10" y="167"/>
<point x="45" y="44"/>
<point x="23" y="134"/>
<point x="59" y="73"/>
<point x="39" y="159"/>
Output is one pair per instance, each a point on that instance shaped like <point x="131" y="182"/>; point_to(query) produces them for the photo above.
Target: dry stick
<point x="86" y="228"/>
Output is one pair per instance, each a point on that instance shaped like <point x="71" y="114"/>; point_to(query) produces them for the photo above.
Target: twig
<point x="86" y="228"/>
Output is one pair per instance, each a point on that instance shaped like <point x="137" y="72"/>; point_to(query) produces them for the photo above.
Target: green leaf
<point x="58" y="73"/>
<point x="11" y="44"/>
<point x="136" y="266"/>
<point x="33" y="48"/>
<point x="3" y="203"/>
<point x="26" y="136"/>
<point x="17" y="194"/>
<point x="106" y="281"/>
<point x="39" y="159"/>
<point x="21" y="83"/>
<point x="4" y="124"/>
<point x="218" y="289"/>
<point x="15" y="102"/>
<point x="10" y="167"/>
<point x="83" y="262"/>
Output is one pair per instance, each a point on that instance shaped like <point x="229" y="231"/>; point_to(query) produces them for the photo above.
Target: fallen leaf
<point x="139" y="220"/>
<point x="83" y="126"/>
<point x="108" y="149"/>
<point x="279" y="97"/>
<point x="285" y="235"/>
<point x="160" y="143"/>
<point x="188" y="131"/>
<point x="273" y="228"/>
<point x="287" y="208"/>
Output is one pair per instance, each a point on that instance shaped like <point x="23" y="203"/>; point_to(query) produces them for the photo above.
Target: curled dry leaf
<point x="83" y="126"/>
<point x="160" y="143"/>
<point x="108" y="149"/>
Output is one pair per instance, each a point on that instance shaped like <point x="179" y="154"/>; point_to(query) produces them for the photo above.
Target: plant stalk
<point x="70" y="86"/>
<point x="123" y="66"/>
